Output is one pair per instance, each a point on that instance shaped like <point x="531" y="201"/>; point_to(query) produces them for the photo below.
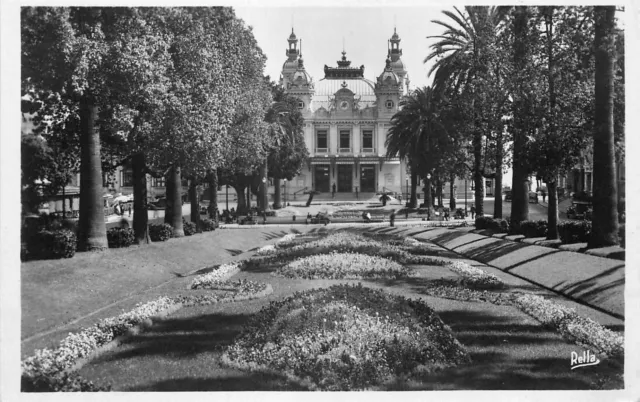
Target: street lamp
<point x="428" y="188"/>
<point x="227" y="197"/>
<point x="264" y="200"/>
<point x="406" y="186"/>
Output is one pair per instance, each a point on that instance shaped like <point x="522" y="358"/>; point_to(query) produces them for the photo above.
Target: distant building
<point x="347" y="117"/>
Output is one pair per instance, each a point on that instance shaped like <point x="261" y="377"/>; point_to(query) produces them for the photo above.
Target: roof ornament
<point x="344" y="84"/>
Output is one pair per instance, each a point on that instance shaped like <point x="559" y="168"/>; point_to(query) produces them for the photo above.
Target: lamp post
<point x="406" y="186"/>
<point x="428" y="200"/>
<point x="465" y="197"/>
<point x="227" y="197"/>
<point x="263" y="195"/>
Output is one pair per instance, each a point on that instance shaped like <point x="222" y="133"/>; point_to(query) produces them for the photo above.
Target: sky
<point x="365" y="31"/>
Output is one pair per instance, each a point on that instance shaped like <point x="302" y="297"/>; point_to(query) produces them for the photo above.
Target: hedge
<point x="482" y="222"/>
<point x="208" y="225"/>
<point x="160" y="232"/>
<point x="533" y="228"/>
<point x="188" y="227"/>
<point x="574" y="231"/>
<point x="52" y="244"/>
<point x="120" y="237"/>
<point x="499" y="225"/>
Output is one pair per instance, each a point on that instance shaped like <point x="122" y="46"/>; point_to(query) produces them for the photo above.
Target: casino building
<point x="346" y="121"/>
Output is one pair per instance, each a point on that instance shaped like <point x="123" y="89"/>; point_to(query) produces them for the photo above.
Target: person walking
<point x="473" y="212"/>
<point x="392" y="218"/>
<point x="544" y="196"/>
<point x="333" y="192"/>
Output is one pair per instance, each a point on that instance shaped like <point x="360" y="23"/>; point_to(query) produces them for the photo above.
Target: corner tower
<point x="291" y="65"/>
<point x="397" y="65"/>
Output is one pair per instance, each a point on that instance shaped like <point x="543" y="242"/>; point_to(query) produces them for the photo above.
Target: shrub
<point x="208" y="225"/>
<point x="533" y="228"/>
<point x="574" y="231"/>
<point x="482" y="222"/>
<point x="622" y="235"/>
<point x="120" y="237"/>
<point x="498" y="225"/>
<point x="160" y="232"/>
<point x="188" y="227"/>
<point x="53" y="244"/>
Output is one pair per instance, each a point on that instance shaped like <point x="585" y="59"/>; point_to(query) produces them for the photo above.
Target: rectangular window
<point x="321" y="140"/>
<point x="367" y="141"/>
<point x="127" y="178"/>
<point x="345" y="140"/>
<point x="158" y="182"/>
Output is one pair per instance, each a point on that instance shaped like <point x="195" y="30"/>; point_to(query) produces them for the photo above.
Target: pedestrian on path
<point x="392" y="218"/>
<point x="544" y="196"/>
<point x="473" y="212"/>
<point x="333" y="192"/>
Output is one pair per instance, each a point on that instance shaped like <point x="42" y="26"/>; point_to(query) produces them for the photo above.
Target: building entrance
<point x="321" y="173"/>
<point x="367" y="178"/>
<point x="345" y="181"/>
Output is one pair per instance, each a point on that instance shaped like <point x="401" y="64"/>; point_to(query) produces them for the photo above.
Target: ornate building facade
<point x="346" y="121"/>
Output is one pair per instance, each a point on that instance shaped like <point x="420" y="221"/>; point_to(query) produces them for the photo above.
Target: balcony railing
<point x="367" y="150"/>
<point x="322" y="150"/>
<point x="345" y="150"/>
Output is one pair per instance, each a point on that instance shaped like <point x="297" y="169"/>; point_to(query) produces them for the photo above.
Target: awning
<point x="321" y="162"/>
<point x="392" y="162"/>
<point x="345" y="161"/>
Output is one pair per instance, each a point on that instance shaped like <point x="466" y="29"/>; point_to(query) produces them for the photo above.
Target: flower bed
<point x="338" y="265"/>
<point x="346" y="338"/>
<point x="52" y="370"/>
<point x="580" y="329"/>
<point x="241" y="286"/>
<point x="353" y="243"/>
<point x="47" y="370"/>
<point x="223" y="272"/>
<point x="566" y="321"/>
<point x="475" y="277"/>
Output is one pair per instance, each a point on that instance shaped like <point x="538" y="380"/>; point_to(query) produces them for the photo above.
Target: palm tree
<point x="414" y="135"/>
<point x="605" y="214"/>
<point x="463" y="54"/>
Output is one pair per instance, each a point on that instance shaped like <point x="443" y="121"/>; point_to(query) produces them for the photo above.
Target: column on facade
<point x="333" y="139"/>
<point x="356" y="134"/>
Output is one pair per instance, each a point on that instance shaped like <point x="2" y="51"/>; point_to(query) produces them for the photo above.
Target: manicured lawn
<point x="508" y="349"/>
<point x="57" y="292"/>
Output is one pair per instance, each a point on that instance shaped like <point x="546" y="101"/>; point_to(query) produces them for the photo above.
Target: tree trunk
<point x="413" y="201"/>
<point x="310" y="199"/>
<point x="213" y="195"/>
<point x="92" y="232"/>
<point x="249" y="198"/>
<point x="497" y="203"/>
<point x="195" y="203"/>
<point x="140" y="214"/>
<point x="520" y="183"/>
<point x="173" y="212"/>
<point x="452" y="194"/>
<point x="242" y="200"/>
<point x="605" y="187"/>
<point x="552" y="218"/>
<point x="277" y="198"/>
<point x="428" y="200"/>
<point x="477" y="168"/>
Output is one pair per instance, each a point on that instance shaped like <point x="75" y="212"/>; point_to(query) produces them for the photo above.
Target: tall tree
<point x="64" y="51"/>
<point x="605" y="214"/>
<point x="289" y="151"/>
<point x="463" y="55"/>
<point x="417" y="133"/>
